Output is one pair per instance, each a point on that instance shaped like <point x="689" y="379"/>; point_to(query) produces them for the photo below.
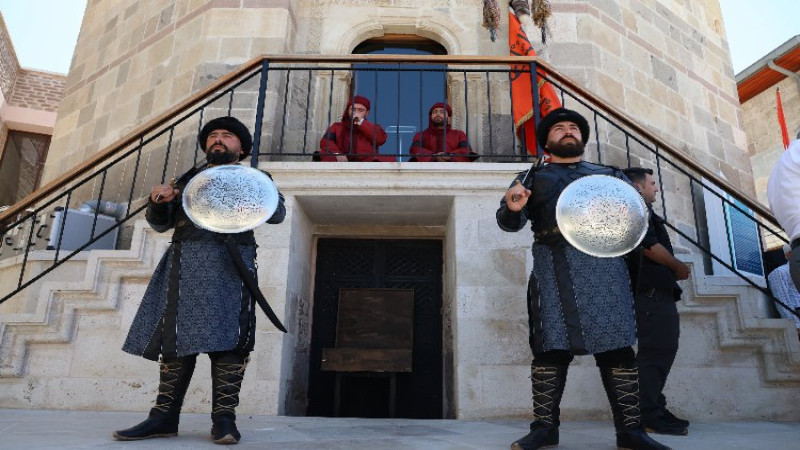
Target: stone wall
<point x="765" y="144"/>
<point x="135" y="60"/>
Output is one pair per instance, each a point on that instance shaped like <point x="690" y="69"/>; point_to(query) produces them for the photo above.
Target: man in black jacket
<point x="654" y="271"/>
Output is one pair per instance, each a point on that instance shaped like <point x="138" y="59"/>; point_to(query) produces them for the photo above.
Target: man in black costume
<point x="577" y="304"/>
<point x="654" y="271"/>
<point x="201" y="299"/>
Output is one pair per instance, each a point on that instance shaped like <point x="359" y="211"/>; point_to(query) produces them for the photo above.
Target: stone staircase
<point x="87" y="284"/>
<point x="86" y="306"/>
<point x="743" y="324"/>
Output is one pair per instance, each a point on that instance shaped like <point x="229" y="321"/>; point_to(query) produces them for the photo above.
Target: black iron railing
<point x="289" y="102"/>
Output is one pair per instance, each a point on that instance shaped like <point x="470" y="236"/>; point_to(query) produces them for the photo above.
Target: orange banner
<point x="782" y="120"/>
<point x="521" y="93"/>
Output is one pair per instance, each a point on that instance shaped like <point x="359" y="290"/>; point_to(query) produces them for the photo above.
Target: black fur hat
<point x="231" y="124"/>
<point x="561" y="115"/>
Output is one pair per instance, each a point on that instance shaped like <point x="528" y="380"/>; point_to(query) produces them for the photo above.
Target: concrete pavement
<point x="66" y="430"/>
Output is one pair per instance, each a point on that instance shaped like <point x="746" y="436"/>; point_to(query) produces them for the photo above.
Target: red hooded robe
<point x="433" y="140"/>
<point x="358" y="142"/>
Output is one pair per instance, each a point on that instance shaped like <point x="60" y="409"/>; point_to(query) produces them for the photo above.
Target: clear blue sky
<point x="44" y="32"/>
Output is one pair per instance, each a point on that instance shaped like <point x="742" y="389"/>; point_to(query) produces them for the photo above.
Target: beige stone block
<point x="267" y="355"/>
<point x="272" y="267"/>
<point x="124" y="116"/>
<point x="617" y="68"/>
<point x="31" y="393"/>
<point x="234" y="50"/>
<point x="268" y="46"/>
<point x="50" y="360"/>
<point x="651" y="35"/>
<point x="501" y="386"/>
<point x="491" y="302"/>
<point x="492" y="268"/>
<point x="193" y="57"/>
<point x="187" y="35"/>
<point x="138" y="66"/>
<point x="161" y="51"/>
<point x="609" y="88"/>
<point x="635" y="55"/>
<point x="181" y="87"/>
<point x="161" y="99"/>
<point x="468" y="392"/>
<point x="630" y="20"/>
<point x="660" y="94"/>
<point x="266" y="22"/>
<point x="65" y="124"/>
<point x="592" y="30"/>
<point x="484" y="341"/>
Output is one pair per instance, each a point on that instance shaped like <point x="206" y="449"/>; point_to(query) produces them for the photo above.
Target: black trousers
<point x="611" y="358"/>
<point x="658" y="329"/>
<point x="794" y="265"/>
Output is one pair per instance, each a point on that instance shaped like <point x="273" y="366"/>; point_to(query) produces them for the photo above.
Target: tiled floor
<point x="33" y="429"/>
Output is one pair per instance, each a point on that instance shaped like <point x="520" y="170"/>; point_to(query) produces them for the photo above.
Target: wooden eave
<point x="762" y="77"/>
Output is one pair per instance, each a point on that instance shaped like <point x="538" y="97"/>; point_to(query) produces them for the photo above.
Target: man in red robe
<point x="354" y="138"/>
<point x="439" y="142"/>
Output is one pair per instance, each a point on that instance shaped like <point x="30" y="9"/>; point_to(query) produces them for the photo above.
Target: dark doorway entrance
<point x="380" y="264"/>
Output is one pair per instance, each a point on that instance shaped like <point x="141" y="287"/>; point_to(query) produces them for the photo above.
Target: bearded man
<point x="198" y="300"/>
<point x="578" y="304"/>
<point x="440" y="142"/>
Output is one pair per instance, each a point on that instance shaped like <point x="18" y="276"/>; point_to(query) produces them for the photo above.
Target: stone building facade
<point x="663" y="62"/>
<point x="29" y="100"/>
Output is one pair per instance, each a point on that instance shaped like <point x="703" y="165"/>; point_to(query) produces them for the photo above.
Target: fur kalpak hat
<point x="561" y="115"/>
<point x="231" y="124"/>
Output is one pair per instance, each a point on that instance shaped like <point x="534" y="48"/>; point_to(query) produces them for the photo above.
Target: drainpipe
<point x="788" y="73"/>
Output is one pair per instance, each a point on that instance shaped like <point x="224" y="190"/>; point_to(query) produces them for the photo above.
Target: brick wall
<point x="38" y="90"/>
<point x="9" y="66"/>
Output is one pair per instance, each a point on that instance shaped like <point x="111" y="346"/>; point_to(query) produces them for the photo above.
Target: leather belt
<point x="548" y="233"/>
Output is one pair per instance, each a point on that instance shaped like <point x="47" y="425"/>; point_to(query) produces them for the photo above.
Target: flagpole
<point x="537" y="113"/>
<point x="782" y="119"/>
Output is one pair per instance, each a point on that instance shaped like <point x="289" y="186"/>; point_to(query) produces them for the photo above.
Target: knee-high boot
<point x="621" y="383"/>
<point x="547" y="385"/>
<point x="227" y="372"/>
<point x="175" y="375"/>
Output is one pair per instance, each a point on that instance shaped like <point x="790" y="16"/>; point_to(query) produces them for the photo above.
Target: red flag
<point x="521" y="93"/>
<point x="782" y="120"/>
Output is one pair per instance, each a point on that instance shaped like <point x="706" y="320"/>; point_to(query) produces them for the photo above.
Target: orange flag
<point x="521" y="93"/>
<point x="782" y="120"/>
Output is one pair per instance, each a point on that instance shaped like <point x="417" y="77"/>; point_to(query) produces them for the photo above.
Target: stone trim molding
<point x="375" y="26"/>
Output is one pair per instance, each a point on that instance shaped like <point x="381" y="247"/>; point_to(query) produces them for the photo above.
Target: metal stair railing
<point x="288" y="102"/>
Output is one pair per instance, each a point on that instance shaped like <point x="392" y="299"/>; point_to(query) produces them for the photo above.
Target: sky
<point x="44" y="32"/>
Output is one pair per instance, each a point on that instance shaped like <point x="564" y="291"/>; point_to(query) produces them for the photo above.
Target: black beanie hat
<point x="561" y="115"/>
<point x="231" y="124"/>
